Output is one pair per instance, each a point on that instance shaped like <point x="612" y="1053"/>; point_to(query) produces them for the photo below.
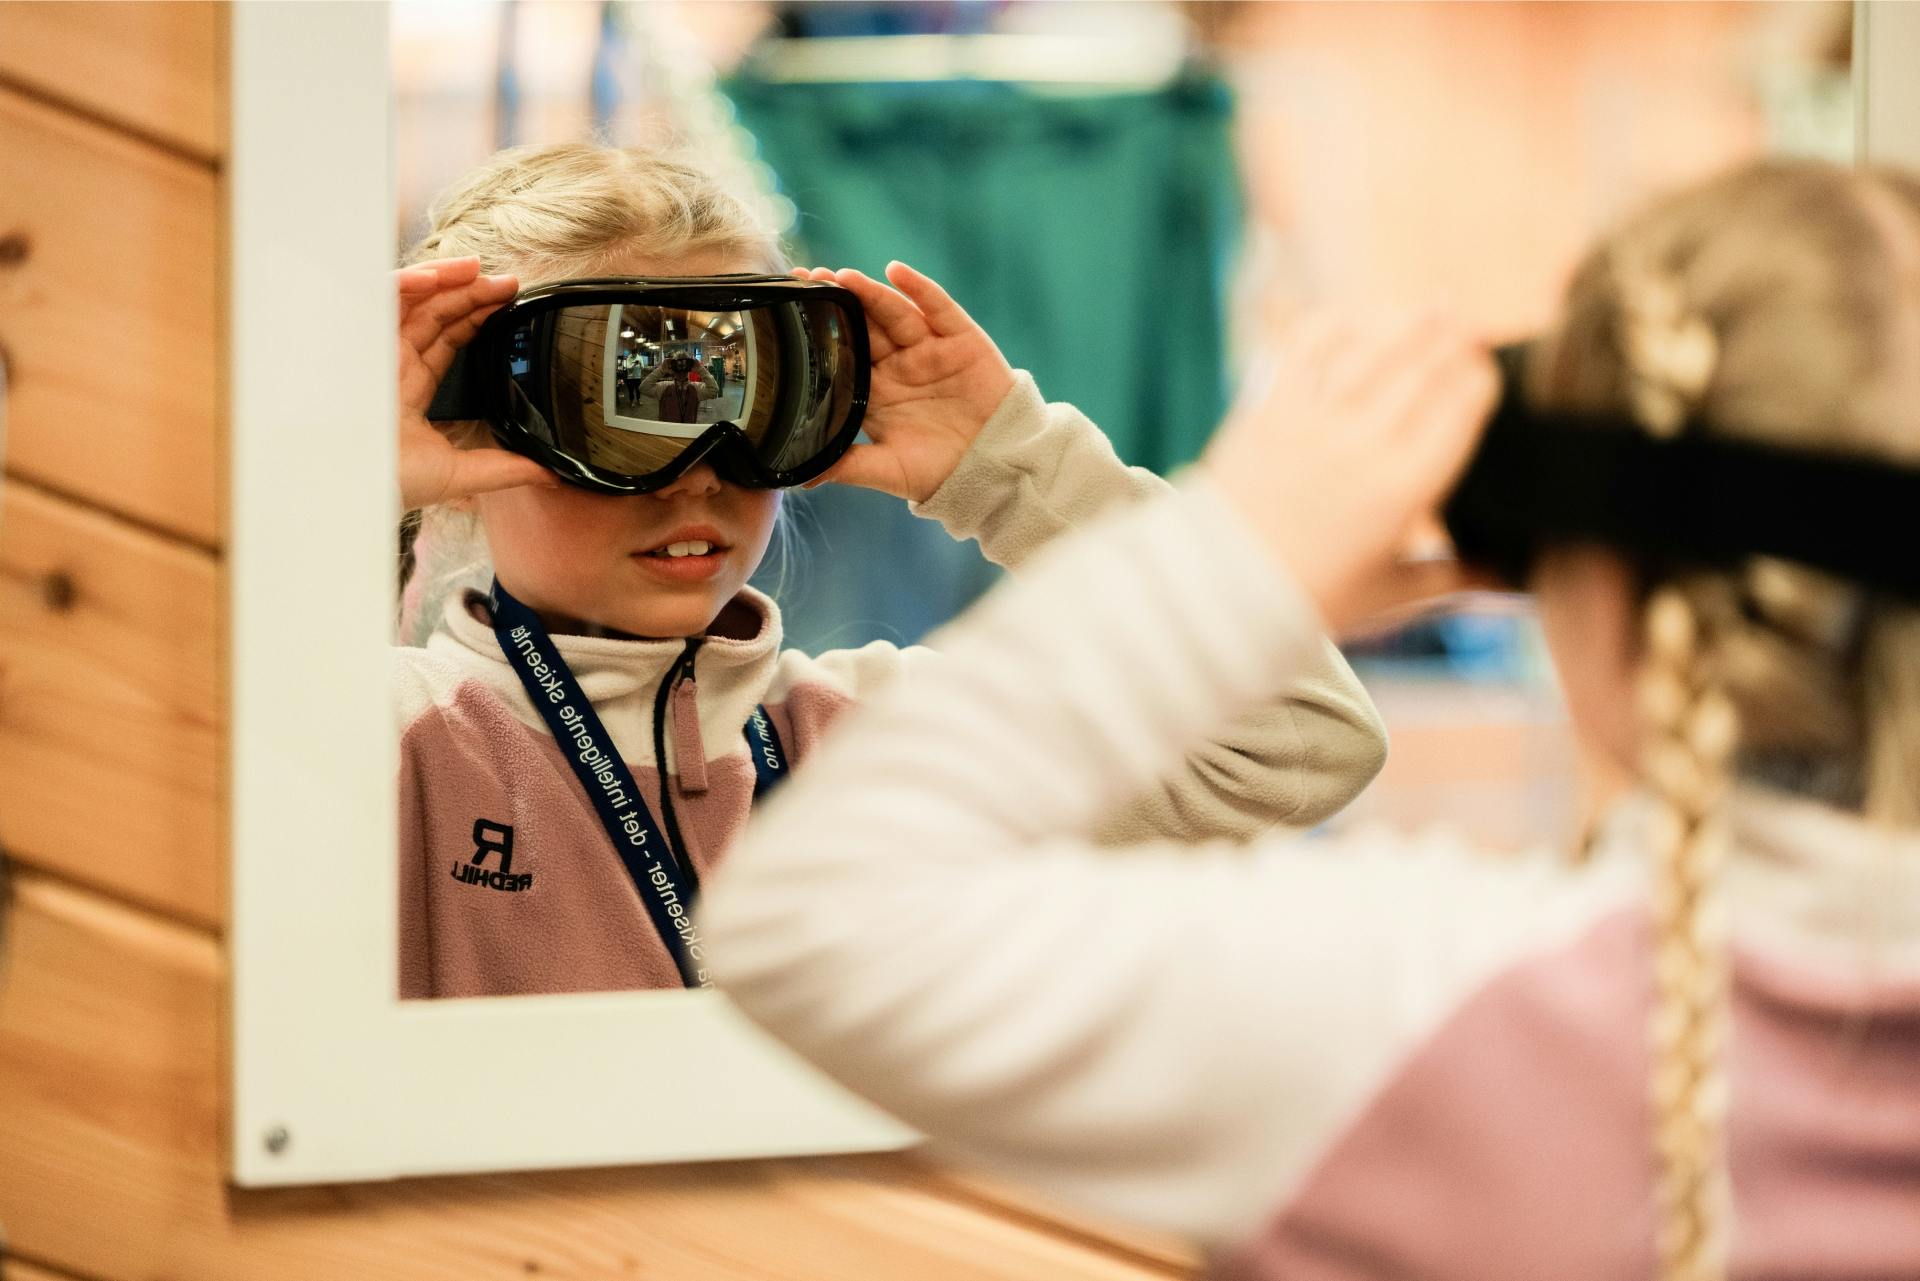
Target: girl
<point x="508" y="880"/>
<point x="1395" y="1058"/>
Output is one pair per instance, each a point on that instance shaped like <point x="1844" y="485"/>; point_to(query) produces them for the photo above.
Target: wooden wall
<point x="112" y="962"/>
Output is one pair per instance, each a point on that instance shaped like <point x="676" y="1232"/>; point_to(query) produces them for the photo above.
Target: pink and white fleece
<point x="557" y="912"/>
<point x="1360" y="1057"/>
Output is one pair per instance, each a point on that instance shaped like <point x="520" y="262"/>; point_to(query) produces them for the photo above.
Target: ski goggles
<point x="1541" y="478"/>
<point x="621" y="384"/>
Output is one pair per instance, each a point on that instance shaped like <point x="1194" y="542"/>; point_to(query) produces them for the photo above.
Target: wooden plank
<point x="1161" y="1249"/>
<point x="111" y="710"/>
<point x="21" y="1270"/>
<point x="157" y="69"/>
<point x="109" y="292"/>
<point x="109" y="1033"/>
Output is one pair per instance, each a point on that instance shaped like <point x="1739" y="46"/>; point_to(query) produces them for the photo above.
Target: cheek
<point x="758" y="514"/>
<point x="551" y="534"/>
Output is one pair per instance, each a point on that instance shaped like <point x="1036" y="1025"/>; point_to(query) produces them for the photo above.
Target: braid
<point x="1772" y="304"/>
<point x="1669" y="354"/>
<point x="1692" y="730"/>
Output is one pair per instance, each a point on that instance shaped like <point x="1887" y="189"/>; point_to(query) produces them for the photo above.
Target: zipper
<point x="663" y="706"/>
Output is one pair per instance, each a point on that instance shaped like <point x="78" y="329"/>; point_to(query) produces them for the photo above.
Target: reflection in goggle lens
<point x="626" y="388"/>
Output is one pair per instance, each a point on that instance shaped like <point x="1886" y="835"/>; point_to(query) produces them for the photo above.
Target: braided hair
<point x="1777" y="302"/>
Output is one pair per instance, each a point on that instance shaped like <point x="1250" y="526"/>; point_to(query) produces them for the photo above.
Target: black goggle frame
<point x="476" y="384"/>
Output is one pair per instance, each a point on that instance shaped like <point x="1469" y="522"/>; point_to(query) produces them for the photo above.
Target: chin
<point x="690" y="618"/>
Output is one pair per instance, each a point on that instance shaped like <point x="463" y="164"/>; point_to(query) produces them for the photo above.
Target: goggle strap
<point x="458" y="396"/>
<point x="1541" y="478"/>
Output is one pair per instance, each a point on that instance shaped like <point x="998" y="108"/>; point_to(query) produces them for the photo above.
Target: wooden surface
<point x="110" y="704"/>
<point x="21" y="1270"/>
<point x="109" y="1045"/>
<point x="151" y="69"/>
<point x="108" y="318"/>
<point x="112" y="724"/>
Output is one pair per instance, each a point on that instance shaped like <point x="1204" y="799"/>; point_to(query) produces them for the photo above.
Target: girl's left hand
<point x="937" y="377"/>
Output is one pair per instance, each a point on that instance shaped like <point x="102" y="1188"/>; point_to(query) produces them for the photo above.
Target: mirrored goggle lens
<point x="626" y="388"/>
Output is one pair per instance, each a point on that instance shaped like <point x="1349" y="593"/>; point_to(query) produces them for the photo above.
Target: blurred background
<point x="1118" y="190"/>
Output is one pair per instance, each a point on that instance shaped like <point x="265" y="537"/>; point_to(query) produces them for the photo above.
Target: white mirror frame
<point x="333" y="1077"/>
<point x="1886" y="93"/>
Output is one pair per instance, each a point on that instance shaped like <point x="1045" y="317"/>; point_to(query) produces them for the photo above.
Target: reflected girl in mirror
<point x="507" y="880"/>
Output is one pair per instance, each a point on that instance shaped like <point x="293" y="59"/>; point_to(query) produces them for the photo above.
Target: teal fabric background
<point x="1091" y="236"/>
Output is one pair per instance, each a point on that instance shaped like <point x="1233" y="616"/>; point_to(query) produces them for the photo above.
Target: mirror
<point x="334" y="1077"/>
<point x="1350" y="128"/>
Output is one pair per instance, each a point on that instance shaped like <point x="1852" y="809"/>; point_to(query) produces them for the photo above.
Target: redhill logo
<point x="490" y="837"/>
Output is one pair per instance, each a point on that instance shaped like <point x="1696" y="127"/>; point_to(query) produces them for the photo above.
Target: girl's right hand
<point x="1347" y="441"/>
<point x="442" y="304"/>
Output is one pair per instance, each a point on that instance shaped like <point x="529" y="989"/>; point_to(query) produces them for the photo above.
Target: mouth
<point x="685" y="555"/>
<point x="688" y="540"/>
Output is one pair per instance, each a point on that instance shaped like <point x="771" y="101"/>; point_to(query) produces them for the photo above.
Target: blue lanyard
<point x="763" y="744"/>
<point x="656" y="873"/>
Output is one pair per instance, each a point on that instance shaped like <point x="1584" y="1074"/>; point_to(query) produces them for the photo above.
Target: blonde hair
<point x="553" y="211"/>
<point x="556" y="211"/>
<point x="1777" y="302"/>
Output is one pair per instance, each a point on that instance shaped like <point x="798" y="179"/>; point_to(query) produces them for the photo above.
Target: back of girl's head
<point x="558" y="211"/>
<point x="1780" y="302"/>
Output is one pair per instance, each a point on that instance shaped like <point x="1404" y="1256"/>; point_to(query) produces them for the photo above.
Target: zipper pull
<point x="689" y="753"/>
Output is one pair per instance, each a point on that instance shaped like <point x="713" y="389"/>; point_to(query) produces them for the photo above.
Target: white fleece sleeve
<point x="1040" y="470"/>
<point x="1166" y="1032"/>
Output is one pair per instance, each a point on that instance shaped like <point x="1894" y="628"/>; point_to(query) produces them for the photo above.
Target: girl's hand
<point x="1351" y="437"/>
<point x="936" y="380"/>
<point x="441" y="306"/>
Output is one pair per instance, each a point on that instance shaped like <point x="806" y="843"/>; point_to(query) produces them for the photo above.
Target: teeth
<point x="695" y="548"/>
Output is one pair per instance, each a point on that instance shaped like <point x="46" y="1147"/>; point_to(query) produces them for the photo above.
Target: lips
<point x="687" y="540"/>
<point x="689" y="554"/>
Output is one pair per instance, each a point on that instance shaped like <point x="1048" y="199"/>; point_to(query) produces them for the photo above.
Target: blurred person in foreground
<point x="1691" y="1049"/>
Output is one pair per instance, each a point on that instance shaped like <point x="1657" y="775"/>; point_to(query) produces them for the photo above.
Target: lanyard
<point x="769" y="760"/>
<point x="664" y="886"/>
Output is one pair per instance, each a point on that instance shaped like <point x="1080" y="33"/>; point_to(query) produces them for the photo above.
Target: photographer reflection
<point x="680" y="388"/>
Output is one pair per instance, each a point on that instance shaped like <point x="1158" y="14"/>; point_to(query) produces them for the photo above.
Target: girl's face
<point x="576" y="557"/>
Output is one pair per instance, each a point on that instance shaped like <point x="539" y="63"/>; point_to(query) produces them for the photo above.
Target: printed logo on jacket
<point x="490" y="838"/>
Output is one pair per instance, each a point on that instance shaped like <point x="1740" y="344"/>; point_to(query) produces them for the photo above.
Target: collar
<point x="1836" y="889"/>
<point x="620" y="677"/>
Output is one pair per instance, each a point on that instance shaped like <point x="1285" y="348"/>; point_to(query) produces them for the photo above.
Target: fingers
<point x="864" y="466"/>
<point x="1419" y="382"/>
<point x="906" y="314"/>
<point x="487" y="470"/>
<point x="415" y="283"/>
<point x="890" y="315"/>
<point x="1454" y="413"/>
<point x="943" y="314"/>
<point x="443" y="303"/>
<point x="438" y="357"/>
<point x="452" y="312"/>
<point x="423" y="279"/>
<point x="1376" y="347"/>
<point x="1308" y="343"/>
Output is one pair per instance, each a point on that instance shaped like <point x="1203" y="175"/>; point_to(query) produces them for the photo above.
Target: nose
<point x="697" y="481"/>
